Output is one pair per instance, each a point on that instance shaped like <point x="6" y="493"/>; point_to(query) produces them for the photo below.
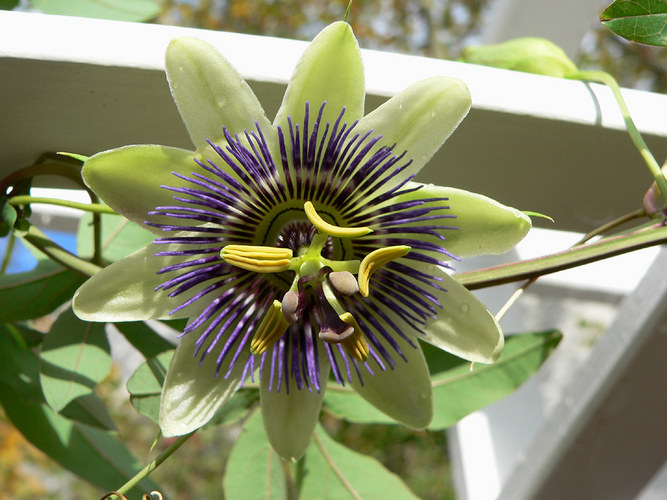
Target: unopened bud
<point x="530" y="54"/>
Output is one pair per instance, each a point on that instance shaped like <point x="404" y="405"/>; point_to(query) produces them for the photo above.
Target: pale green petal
<point x="124" y="290"/>
<point x="129" y="179"/>
<point x="403" y="393"/>
<point x="330" y="70"/>
<point x="192" y="394"/>
<point x="463" y="326"/>
<point x="420" y="118"/>
<point x="485" y="227"/>
<point x="290" y="419"/>
<point x="210" y="93"/>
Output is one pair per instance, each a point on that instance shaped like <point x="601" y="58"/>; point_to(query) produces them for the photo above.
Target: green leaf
<point x="7" y="217"/>
<point x="120" y="10"/>
<point x="29" y="336"/>
<point x="145" y="385"/>
<point x="38" y="292"/>
<point x="8" y="4"/>
<point x="91" y="410"/>
<point x="120" y="237"/>
<point x="642" y="21"/>
<point x="254" y="470"/>
<point x="146" y="340"/>
<point x="19" y="368"/>
<point x="334" y="472"/>
<point x="93" y="454"/>
<point x="458" y="391"/>
<point x="74" y="359"/>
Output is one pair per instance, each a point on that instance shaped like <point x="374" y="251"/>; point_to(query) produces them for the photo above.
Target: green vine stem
<point x="143" y="473"/>
<point x="607" y="79"/>
<point x="61" y="165"/>
<point x="87" y="207"/>
<point x="623" y="219"/>
<point x="637" y="239"/>
<point x="290" y="486"/>
<point x="51" y="249"/>
<point x="8" y="253"/>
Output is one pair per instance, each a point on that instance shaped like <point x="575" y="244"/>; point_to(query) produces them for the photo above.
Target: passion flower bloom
<point x="300" y="250"/>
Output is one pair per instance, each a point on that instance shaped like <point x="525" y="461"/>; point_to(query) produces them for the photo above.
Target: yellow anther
<point x="374" y="261"/>
<point x="272" y="327"/>
<point x="355" y="344"/>
<point x="324" y="227"/>
<point x="258" y="259"/>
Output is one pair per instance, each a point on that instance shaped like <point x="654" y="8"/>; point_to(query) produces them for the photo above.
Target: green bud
<point x="531" y="55"/>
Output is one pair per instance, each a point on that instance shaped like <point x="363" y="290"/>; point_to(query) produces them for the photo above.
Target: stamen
<point x="374" y="261"/>
<point x="344" y="282"/>
<point x="292" y="306"/>
<point x="355" y="344"/>
<point x="326" y="228"/>
<point x="259" y="259"/>
<point x="272" y="327"/>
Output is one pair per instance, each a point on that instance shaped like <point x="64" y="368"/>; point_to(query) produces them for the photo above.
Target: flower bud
<point x="531" y="55"/>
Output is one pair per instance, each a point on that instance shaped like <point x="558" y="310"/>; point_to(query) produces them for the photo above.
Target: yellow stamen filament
<point x="374" y="261"/>
<point x="324" y="227"/>
<point x="355" y="344"/>
<point x="258" y="259"/>
<point x="272" y="327"/>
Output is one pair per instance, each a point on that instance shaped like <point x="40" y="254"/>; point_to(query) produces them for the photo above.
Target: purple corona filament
<point x="246" y="196"/>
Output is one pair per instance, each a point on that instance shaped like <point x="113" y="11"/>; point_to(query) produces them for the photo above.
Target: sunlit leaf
<point x="253" y="457"/>
<point x="120" y="10"/>
<point x="642" y="21"/>
<point x="38" y="292"/>
<point x="335" y="472"/>
<point x="145" y="385"/>
<point x="458" y="391"/>
<point x="75" y="357"/>
<point x="95" y="455"/>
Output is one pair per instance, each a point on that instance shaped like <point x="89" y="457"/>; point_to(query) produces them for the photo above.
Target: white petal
<point x="404" y="392"/>
<point x="290" y="419"/>
<point x="192" y="393"/>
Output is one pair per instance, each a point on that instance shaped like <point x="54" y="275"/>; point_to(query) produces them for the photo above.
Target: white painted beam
<point x="86" y="85"/>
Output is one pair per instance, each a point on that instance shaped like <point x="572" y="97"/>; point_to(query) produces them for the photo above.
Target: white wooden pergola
<point x="537" y="143"/>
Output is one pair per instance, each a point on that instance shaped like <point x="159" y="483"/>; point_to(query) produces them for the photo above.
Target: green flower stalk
<point x="300" y="249"/>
